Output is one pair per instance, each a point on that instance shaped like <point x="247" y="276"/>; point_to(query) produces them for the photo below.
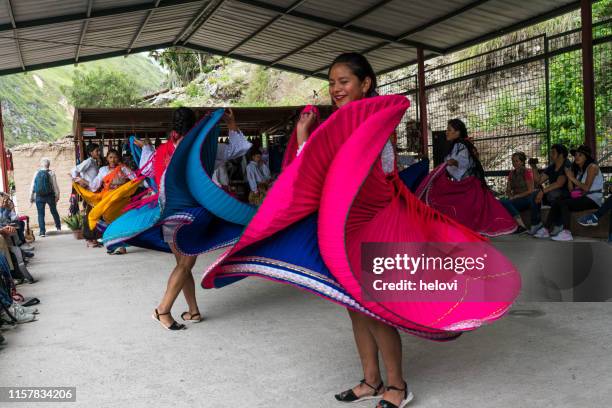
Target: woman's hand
<point x="570" y="175"/>
<point x="304" y="125"/>
<point x="230" y="120"/>
<point x="539" y="197"/>
<point x="452" y="162"/>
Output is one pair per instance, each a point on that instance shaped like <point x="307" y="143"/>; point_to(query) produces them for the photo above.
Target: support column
<point x="4" y="179"/>
<point x="588" y="75"/>
<point x="422" y="101"/>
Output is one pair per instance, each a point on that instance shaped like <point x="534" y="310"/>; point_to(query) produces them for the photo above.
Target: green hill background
<point x="34" y="107"/>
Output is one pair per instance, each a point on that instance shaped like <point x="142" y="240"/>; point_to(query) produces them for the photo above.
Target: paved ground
<point x="269" y="345"/>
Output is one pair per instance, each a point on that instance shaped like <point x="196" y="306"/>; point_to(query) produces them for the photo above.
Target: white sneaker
<point x="542" y="233"/>
<point x="20" y="315"/>
<point x="564" y="235"/>
<point x="26" y="309"/>
<point x="556" y="230"/>
<point x="534" y="229"/>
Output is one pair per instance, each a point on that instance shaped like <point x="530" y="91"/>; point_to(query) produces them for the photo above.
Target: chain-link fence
<point x="520" y="97"/>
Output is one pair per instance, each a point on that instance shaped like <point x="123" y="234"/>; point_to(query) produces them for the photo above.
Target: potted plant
<point x="75" y="223"/>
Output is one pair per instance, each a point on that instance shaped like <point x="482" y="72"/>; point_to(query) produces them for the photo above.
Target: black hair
<point x="577" y="169"/>
<point x="361" y="68"/>
<point x="459" y="126"/>
<point x="91" y="147"/>
<point x="252" y="152"/>
<point x="110" y="151"/>
<point x="560" y="149"/>
<point x="183" y="120"/>
<point x="521" y="156"/>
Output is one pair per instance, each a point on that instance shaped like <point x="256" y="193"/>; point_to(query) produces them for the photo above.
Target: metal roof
<point x="302" y="36"/>
<point x="117" y="123"/>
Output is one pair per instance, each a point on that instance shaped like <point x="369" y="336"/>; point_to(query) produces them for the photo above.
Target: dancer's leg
<point x="175" y="284"/>
<point x="368" y="353"/>
<point x="390" y="344"/>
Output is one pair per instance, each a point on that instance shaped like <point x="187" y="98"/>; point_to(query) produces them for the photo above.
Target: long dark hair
<point x="459" y="126"/>
<point x="183" y="120"/>
<point x="360" y="67"/>
<point x="577" y="170"/>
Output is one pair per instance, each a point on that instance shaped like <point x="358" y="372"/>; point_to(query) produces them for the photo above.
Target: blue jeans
<point x="516" y="205"/>
<point x="40" y="207"/>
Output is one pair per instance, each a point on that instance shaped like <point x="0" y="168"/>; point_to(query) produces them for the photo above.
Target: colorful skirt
<point x="467" y="202"/>
<point x="333" y="198"/>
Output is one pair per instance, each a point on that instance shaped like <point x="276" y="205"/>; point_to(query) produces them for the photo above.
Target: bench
<point x="600" y="231"/>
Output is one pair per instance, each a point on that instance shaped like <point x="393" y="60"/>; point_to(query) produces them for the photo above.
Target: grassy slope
<point x="33" y="113"/>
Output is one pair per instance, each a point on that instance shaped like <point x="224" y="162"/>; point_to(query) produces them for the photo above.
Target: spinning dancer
<point x="309" y="230"/>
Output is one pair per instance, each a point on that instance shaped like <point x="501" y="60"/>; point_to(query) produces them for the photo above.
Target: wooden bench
<point x="600" y="231"/>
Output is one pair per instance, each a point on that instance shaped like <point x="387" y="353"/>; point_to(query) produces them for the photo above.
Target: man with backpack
<point x="44" y="191"/>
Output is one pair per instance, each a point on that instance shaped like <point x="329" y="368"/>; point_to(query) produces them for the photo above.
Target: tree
<point x="183" y="64"/>
<point x="102" y="88"/>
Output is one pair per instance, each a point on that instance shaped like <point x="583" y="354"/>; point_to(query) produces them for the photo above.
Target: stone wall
<point x="26" y="160"/>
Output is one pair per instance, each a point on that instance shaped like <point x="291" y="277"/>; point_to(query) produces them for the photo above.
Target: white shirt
<point x="238" y="146"/>
<point x="145" y="155"/>
<point x="460" y="153"/>
<point x="53" y="183"/>
<point x="257" y="173"/>
<point x="104" y="171"/>
<point x="87" y="170"/>
<point x="220" y="176"/>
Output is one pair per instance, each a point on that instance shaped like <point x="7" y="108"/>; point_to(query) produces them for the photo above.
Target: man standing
<point x="44" y="191"/>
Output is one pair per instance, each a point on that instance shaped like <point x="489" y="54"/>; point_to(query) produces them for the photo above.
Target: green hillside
<point x="34" y="107"/>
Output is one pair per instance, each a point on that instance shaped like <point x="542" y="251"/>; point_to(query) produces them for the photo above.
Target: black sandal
<point x="173" y="326"/>
<point x="191" y="317"/>
<point x="408" y="396"/>
<point x="350" y="396"/>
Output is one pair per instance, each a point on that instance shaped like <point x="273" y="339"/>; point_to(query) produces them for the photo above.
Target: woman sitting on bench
<point x="586" y="187"/>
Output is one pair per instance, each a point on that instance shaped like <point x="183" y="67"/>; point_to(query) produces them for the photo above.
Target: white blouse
<point x="238" y="146"/>
<point x="257" y="173"/>
<point x="459" y="153"/>
<point x="104" y="171"/>
<point x="87" y="170"/>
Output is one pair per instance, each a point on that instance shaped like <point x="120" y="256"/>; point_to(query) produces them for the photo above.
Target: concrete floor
<point x="269" y="345"/>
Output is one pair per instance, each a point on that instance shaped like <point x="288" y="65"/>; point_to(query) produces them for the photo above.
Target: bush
<point x="102" y="89"/>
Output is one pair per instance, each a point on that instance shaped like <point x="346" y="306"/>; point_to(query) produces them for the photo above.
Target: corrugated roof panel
<point x="235" y="21"/>
<point x="393" y="54"/>
<point x="230" y="25"/>
<point x="284" y="36"/>
<point x="489" y="17"/>
<point x="165" y="24"/>
<point x="4" y="16"/>
<point x="107" y="4"/>
<point x="400" y="16"/>
<point x="339" y="11"/>
<point x="25" y="10"/>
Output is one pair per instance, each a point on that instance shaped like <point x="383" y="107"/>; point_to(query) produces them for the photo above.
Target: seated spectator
<point x="258" y="176"/>
<point x="550" y="184"/>
<point x="586" y="186"/>
<point x="592" y="220"/>
<point x="519" y="189"/>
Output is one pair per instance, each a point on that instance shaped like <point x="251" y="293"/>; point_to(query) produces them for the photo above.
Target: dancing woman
<point x="458" y="188"/>
<point x="309" y="230"/>
<point x="181" y="278"/>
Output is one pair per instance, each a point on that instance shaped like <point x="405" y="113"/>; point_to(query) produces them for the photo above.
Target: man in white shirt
<point x="45" y="191"/>
<point x="85" y="172"/>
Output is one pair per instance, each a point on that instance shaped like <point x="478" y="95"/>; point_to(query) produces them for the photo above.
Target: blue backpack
<point x="42" y="184"/>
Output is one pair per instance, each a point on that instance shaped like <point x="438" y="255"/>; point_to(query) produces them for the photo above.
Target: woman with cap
<point x="586" y="189"/>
